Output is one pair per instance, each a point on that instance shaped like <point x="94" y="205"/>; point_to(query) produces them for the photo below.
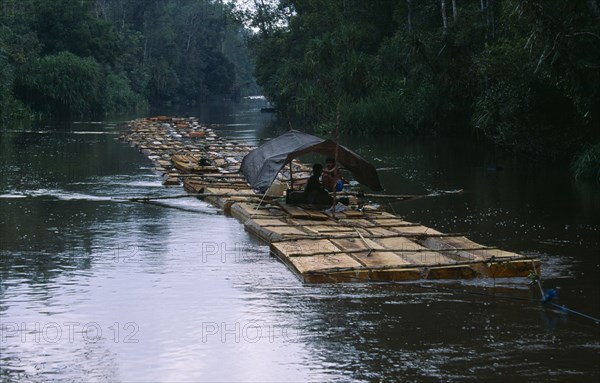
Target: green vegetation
<point x="89" y="57"/>
<point x="61" y="83"/>
<point x="522" y="73"/>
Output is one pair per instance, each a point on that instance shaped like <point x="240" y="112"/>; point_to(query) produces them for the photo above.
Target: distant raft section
<point x="352" y="246"/>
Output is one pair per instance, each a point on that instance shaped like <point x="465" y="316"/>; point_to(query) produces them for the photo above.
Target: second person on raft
<point x="332" y="180"/>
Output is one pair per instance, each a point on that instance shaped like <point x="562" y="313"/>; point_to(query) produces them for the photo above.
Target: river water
<point x="94" y="289"/>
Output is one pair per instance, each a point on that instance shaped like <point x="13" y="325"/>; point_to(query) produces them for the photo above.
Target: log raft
<point x="355" y="246"/>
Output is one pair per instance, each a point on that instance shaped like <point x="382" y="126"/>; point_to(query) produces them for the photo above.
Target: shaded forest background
<point x="89" y="57"/>
<point x="524" y="74"/>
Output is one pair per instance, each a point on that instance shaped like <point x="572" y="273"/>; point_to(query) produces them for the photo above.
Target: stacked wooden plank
<point x="347" y="246"/>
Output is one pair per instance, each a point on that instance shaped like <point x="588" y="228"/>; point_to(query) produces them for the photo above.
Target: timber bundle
<point x="342" y="246"/>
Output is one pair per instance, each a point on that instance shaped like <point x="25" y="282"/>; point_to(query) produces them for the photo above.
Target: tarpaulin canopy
<point x="262" y="164"/>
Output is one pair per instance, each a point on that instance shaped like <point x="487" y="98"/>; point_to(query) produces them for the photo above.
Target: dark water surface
<point x="93" y="289"/>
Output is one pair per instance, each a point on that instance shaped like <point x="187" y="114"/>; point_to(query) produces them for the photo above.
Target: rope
<point x="392" y="207"/>
<point x="564" y="308"/>
<point x="365" y="241"/>
<point x="259" y="203"/>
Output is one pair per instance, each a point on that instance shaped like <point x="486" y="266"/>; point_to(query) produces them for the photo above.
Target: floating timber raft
<point x="367" y="245"/>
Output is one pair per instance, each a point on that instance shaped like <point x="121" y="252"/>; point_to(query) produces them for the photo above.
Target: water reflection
<point x="181" y="293"/>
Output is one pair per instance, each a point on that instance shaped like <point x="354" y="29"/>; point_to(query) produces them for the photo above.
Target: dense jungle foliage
<point x="87" y="57"/>
<point x="523" y="73"/>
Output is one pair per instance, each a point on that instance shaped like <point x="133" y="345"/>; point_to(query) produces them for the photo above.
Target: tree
<point x="545" y="69"/>
<point x="523" y="73"/>
<point x="68" y="25"/>
<point x="62" y="84"/>
<point x="163" y="51"/>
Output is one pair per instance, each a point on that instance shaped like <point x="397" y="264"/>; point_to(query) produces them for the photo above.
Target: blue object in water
<point x="549" y="295"/>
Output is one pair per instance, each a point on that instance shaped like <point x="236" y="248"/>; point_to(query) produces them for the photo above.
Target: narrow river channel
<point x="93" y="289"/>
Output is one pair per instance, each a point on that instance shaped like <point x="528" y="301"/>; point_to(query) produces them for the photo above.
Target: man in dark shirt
<point x="314" y="192"/>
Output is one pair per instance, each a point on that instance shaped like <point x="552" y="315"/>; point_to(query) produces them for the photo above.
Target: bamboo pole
<point x="403" y="196"/>
<point x="152" y="198"/>
<point x="220" y="185"/>
<point x="206" y="175"/>
<point x="329" y="271"/>
<point x="336" y="224"/>
<point x="399" y="250"/>
<point x="299" y="237"/>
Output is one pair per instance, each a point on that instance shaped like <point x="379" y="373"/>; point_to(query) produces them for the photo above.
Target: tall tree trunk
<point x="595" y="8"/>
<point x="485" y="7"/>
<point x="444" y="16"/>
<point x="144" y="56"/>
<point x="487" y="13"/>
<point x="409" y="15"/>
<point x="262" y="14"/>
<point x="454" y="10"/>
<point x="491" y="13"/>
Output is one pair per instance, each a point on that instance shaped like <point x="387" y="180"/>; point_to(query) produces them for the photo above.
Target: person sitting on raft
<point x="314" y="192"/>
<point x="332" y="180"/>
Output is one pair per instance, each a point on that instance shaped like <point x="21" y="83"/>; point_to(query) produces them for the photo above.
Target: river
<point x="93" y="289"/>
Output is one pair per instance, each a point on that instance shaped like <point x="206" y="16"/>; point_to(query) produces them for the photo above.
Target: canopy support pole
<point x="335" y="164"/>
<point x="291" y="178"/>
